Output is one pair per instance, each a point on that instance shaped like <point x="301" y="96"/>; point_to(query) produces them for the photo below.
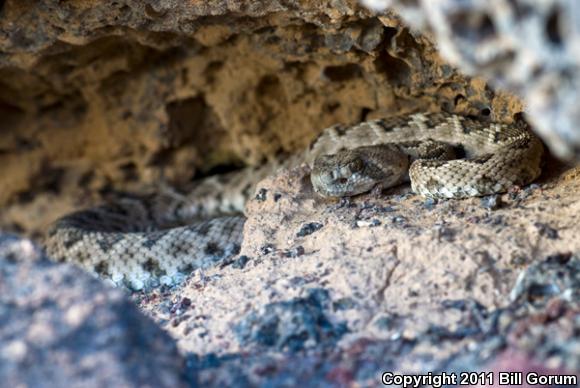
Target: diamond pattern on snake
<point x="135" y="242"/>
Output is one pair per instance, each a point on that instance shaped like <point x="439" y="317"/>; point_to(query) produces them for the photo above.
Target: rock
<point x="528" y="47"/>
<point x="558" y="275"/>
<point x="450" y="289"/>
<point x="518" y="344"/>
<point x="309" y="228"/>
<point x="491" y="202"/>
<point x="60" y="327"/>
<point x="99" y="97"/>
<point x="292" y="325"/>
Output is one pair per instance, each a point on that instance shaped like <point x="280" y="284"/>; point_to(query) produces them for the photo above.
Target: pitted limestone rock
<point x="528" y="46"/>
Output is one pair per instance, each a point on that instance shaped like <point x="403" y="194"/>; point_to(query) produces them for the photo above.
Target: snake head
<point x="352" y="172"/>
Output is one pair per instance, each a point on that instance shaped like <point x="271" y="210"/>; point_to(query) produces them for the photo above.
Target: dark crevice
<point x="397" y="71"/>
<point x="331" y="106"/>
<point x="472" y="26"/>
<point x="270" y="87"/>
<point x="364" y="114"/>
<point x="129" y="171"/>
<point x="458" y="99"/>
<point x="10" y="114"/>
<point x="48" y="179"/>
<point x="193" y="123"/>
<point x="186" y="118"/>
<point x="343" y="73"/>
<point x="553" y="28"/>
<point x="211" y="71"/>
<point x="219" y="170"/>
<point x="153" y="13"/>
<point x="519" y="117"/>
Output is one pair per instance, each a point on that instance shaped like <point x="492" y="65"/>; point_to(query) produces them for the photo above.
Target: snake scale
<point x="136" y="243"/>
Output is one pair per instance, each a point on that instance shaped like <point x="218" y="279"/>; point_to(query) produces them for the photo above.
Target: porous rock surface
<point x="61" y="328"/>
<point x="102" y="96"/>
<point x="528" y="46"/>
<point x="113" y="95"/>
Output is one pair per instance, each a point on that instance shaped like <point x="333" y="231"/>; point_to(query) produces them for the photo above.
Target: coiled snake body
<point x="129" y="242"/>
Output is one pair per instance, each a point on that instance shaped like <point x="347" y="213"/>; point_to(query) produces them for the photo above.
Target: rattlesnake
<point x="130" y="242"/>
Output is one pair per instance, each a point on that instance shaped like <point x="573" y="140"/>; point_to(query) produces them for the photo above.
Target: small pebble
<point x="519" y="261"/>
<point x="295" y="252"/>
<point x="560" y="258"/>
<point x="445" y="233"/>
<point x="368" y="223"/>
<point x="530" y="189"/>
<point x="398" y="219"/>
<point x="491" y="202"/>
<point x="344" y="304"/>
<point x="180" y="307"/>
<point x="241" y="262"/>
<point x="309" y="228"/>
<point x="430" y="203"/>
<point x="268" y="248"/>
<point x="385" y="323"/>
<point x="262" y="195"/>
<point x="546" y="230"/>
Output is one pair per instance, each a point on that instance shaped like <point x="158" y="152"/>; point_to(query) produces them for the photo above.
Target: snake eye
<point x="356" y="165"/>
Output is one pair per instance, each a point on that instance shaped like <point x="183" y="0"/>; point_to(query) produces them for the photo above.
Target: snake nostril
<point x="343" y="181"/>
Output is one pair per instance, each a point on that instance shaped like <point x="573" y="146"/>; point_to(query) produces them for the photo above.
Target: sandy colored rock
<point x="446" y="286"/>
<point x="396" y="253"/>
<point x="168" y="93"/>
